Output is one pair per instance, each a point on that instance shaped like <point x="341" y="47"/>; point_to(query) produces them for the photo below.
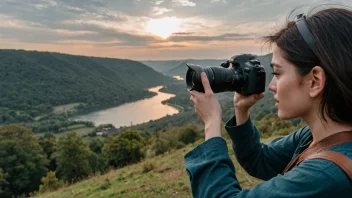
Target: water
<point x="135" y="112"/>
<point x="178" y="77"/>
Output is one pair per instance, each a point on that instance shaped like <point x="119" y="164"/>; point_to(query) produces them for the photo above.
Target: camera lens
<point x="246" y="76"/>
<point x="193" y="78"/>
<point x="220" y="79"/>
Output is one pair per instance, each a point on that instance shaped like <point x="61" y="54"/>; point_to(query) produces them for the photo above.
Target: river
<point x="133" y="113"/>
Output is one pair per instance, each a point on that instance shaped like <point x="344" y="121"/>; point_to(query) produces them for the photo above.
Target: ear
<point x="317" y="81"/>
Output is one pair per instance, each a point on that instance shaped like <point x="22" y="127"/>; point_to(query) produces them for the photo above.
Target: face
<point x="291" y="91"/>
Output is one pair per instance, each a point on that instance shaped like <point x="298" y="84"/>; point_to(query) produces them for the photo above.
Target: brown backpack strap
<point x="330" y="141"/>
<point x="339" y="159"/>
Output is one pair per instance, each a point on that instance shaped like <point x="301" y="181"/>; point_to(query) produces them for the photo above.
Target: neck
<point x="321" y="129"/>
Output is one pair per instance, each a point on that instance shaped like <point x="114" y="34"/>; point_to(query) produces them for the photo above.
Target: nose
<point x="272" y="85"/>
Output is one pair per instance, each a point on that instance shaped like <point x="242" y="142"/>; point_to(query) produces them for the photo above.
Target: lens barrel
<point x="246" y="76"/>
<point x="220" y="79"/>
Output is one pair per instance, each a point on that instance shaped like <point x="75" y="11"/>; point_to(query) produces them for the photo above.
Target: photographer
<point x="312" y="64"/>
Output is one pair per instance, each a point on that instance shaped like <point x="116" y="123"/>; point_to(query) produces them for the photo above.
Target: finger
<point x="261" y="95"/>
<point x="192" y="99"/>
<point x="206" y="84"/>
<point x="196" y="94"/>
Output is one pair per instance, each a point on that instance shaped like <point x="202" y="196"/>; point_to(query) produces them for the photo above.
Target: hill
<point x="179" y="68"/>
<point x="182" y="68"/>
<point x="32" y="83"/>
<point x="161" y="176"/>
<point x="163" y="66"/>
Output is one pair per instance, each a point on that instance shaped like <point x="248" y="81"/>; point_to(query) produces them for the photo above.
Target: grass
<point x="161" y="176"/>
<point x="62" y="108"/>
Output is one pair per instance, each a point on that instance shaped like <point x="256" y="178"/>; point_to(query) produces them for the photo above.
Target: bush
<point x="148" y="166"/>
<point x="188" y="135"/>
<point x="50" y="183"/>
<point x="159" y="146"/>
<point x="124" y="149"/>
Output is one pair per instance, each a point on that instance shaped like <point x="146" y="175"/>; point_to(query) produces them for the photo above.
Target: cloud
<point x="215" y="1"/>
<point x="102" y="25"/>
<point x="184" y="3"/>
<point x="160" y="11"/>
<point x="223" y="37"/>
<point x="182" y="33"/>
<point x="159" y="2"/>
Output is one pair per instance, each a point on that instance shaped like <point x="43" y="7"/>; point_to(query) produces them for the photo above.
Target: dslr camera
<point x="246" y="76"/>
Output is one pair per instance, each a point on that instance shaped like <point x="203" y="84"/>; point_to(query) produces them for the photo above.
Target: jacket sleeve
<point x="260" y="160"/>
<point x="212" y="174"/>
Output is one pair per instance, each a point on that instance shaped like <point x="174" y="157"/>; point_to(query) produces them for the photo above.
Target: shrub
<point x="148" y="166"/>
<point x="124" y="149"/>
<point x="50" y="182"/>
<point x="188" y="135"/>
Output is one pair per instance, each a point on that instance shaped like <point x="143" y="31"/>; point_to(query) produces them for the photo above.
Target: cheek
<point x="293" y="101"/>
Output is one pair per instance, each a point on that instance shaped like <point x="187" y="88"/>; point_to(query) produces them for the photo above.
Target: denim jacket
<point x="212" y="173"/>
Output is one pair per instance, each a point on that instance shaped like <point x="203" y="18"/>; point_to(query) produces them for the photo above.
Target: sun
<point x="163" y="27"/>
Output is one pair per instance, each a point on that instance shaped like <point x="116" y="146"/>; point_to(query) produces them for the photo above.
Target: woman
<point x="312" y="80"/>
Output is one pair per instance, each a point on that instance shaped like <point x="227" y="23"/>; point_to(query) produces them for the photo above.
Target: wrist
<point x="242" y="116"/>
<point x="241" y="109"/>
<point x="213" y="129"/>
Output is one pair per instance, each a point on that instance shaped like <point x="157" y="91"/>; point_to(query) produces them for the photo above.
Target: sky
<point x="146" y="29"/>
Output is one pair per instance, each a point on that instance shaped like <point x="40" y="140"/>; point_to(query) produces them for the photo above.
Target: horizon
<point x="126" y="58"/>
<point x="146" y="30"/>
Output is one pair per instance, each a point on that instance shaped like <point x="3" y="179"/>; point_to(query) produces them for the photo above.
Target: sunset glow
<point x="163" y="27"/>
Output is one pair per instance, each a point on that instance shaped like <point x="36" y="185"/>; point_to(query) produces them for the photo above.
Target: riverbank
<point x="136" y="112"/>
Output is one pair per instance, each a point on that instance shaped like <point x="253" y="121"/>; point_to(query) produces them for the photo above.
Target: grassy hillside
<point x="161" y="176"/>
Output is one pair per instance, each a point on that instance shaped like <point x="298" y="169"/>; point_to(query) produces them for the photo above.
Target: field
<point x="161" y="176"/>
<point x="80" y="129"/>
<point x="62" y="108"/>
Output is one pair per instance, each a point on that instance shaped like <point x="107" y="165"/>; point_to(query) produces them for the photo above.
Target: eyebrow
<point x="272" y="65"/>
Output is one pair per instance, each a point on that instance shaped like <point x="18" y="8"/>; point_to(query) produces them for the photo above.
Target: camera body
<point x="246" y="76"/>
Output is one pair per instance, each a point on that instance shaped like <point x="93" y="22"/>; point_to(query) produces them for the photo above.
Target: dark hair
<point x="332" y="30"/>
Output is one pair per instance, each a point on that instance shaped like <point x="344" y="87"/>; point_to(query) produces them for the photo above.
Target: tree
<point x="98" y="163"/>
<point x="72" y="157"/>
<point x="124" y="149"/>
<point x="23" y="161"/>
<point x="3" y="181"/>
<point x="49" y="147"/>
<point x="49" y="136"/>
<point x="96" y="145"/>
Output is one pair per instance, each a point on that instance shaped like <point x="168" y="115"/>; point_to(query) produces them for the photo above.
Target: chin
<point x="284" y="116"/>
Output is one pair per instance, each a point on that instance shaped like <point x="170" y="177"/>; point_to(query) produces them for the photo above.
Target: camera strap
<point x="317" y="151"/>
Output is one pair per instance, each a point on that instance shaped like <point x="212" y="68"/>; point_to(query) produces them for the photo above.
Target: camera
<point x="246" y="76"/>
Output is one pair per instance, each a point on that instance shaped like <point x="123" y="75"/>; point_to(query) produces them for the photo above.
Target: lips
<point x="277" y="102"/>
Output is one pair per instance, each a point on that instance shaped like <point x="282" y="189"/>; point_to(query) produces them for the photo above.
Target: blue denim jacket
<point x="212" y="173"/>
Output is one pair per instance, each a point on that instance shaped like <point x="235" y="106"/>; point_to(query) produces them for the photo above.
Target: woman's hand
<point x="242" y="104"/>
<point x="207" y="108"/>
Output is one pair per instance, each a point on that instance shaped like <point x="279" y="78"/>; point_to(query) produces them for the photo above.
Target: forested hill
<point x="32" y="82"/>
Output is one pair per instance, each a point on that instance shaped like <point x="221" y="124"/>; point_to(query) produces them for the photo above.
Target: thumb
<point x="258" y="96"/>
